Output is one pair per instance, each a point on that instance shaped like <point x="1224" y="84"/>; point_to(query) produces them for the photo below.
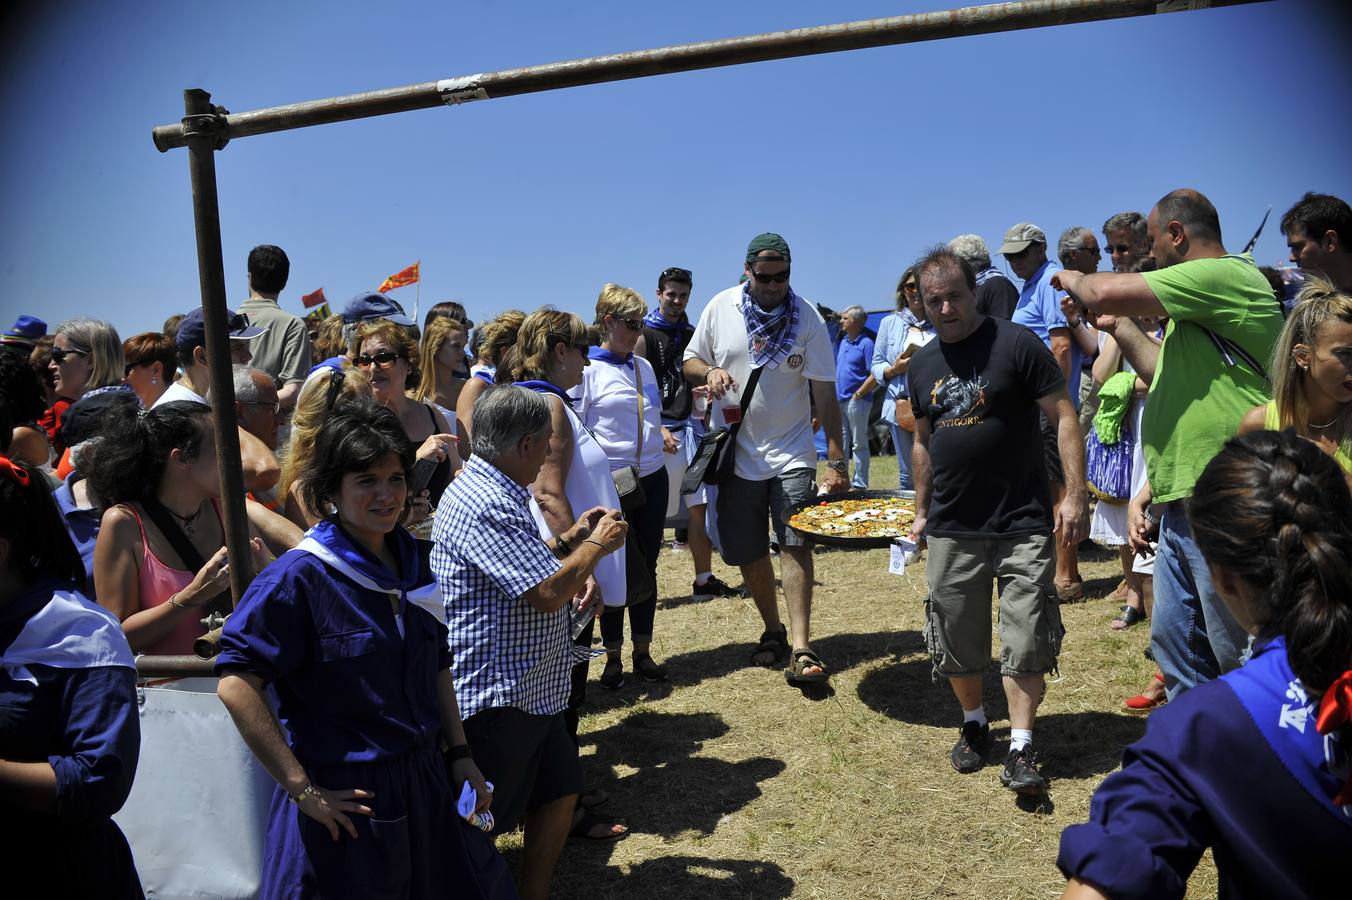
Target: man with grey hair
<point x="854" y="385"/>
<point x="1078" y="251"/>
<point x="509" y="599"/>
<point x="1125" y="234"/>
<point x="996" y="295"/>
<point x="257" y="404"/>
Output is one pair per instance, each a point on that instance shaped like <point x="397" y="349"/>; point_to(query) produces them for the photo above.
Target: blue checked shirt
<point x="487" y="554"/>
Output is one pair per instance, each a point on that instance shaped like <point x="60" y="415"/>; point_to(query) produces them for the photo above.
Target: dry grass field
<point x="736" y="785"/>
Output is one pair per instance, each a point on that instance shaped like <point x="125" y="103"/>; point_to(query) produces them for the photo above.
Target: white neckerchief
<point x="70" y="632"/>
<point x="427" y="597"/>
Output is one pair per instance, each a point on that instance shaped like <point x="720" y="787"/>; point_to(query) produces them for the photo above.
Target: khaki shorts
<point x="961" y="574"/>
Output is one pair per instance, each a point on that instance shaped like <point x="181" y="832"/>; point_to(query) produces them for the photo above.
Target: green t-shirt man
<point x="1197" y="399"/>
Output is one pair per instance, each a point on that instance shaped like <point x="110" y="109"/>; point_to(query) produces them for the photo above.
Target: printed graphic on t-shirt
<point x="795" y="361"/>
<point x="958" y="401"/>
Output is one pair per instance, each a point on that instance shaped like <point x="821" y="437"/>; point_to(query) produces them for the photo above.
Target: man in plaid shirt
<point x="507" y="596"/>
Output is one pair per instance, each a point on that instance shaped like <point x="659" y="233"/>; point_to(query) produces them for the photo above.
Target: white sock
<point x="703" y="577"/>
<point x="1020" y="738"/>
<point x="977" y="715"/>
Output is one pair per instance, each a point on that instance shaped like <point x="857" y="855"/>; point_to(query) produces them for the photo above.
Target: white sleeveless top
<point x="589" y="484"/>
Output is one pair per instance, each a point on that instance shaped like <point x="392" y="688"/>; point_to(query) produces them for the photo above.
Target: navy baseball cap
<point x="26" y="330"/>
<point x="192" y="331"/>
<point x="374" y="306"/>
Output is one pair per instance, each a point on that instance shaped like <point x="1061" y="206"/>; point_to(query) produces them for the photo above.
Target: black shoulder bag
<point x="713" y="462"/>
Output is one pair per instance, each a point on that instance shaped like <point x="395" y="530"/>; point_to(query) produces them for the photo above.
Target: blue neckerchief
<point x="613" y="358"/>
<point x="1285" y="715"/>
<point x="331" y="544"/>
<point x="64" y="630"/>
<point x="770" y="334"/>
<point x="908" y="318"/>
<point x="545" y="387"/>
<point x="485" y="375"/>
<point x="655" y="319"/>
<point x="987" y="274"/>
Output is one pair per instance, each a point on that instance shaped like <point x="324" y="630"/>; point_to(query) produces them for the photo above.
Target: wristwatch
<point x="308" y="791"/>
<point x="838" y="465"/>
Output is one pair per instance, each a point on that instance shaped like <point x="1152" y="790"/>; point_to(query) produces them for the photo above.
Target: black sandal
<point x="612" y="676"/>
<point x="775" y="643"/>
<point x="1129" y="616"/>
<point x="651" y="671"/>
<point x="802" y="659"/>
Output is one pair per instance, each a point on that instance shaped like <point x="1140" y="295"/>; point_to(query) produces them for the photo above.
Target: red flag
<point x="314" y="299"/>
<point x="400" y="278"/>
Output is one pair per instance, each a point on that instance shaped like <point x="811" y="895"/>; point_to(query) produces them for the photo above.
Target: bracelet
<point x="173" y="601"/>
<point x="309" y="791"/>
<point x="561" y="544"/>
<point x="597" y="543"/>
<point x="459" y="751"/>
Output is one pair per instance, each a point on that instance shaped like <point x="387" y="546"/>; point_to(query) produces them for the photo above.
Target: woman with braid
<point x="1254" y="765"/>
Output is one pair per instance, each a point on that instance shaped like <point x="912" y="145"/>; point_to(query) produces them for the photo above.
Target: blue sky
<point x="860" y="159"/>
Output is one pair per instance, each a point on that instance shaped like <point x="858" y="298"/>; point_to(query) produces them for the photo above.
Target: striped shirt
<point x="487" y="553"/>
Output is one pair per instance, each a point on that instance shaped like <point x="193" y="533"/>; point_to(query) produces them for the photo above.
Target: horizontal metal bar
<point x="155" y="666"/>
<point x="689" y="57"/>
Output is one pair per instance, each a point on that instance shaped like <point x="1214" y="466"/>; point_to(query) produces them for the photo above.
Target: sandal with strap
<point x="612" y="676"/>
<point x="651" y="671"/>
<point x="774" y="644"/>
<point x="590" y="827"/>
<point x="805" y="659"/>
<point x="1143" y="702"/>
<point x="1129" y="616"/>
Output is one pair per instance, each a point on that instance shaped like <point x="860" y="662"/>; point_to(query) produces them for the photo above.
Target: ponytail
<point x="1275" y="510"/>
<point x="128" y="463"/>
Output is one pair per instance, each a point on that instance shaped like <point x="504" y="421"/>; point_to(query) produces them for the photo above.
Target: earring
<point x="154" y="380"/>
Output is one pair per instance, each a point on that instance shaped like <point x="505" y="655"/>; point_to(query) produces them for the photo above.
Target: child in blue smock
<point x="1255" y="765"/>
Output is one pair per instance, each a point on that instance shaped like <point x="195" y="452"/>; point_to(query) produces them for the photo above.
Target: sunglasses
<point x="384" y="359"/>
<point x="1094" y="250"/>
<point x="777" y="278"/>
<point x="1119" y="249"/>
<point x="675" y="272"/>
<point x="59" y="355"/>
<point x="130" y="366"/>
<point x="274" y="405"/>
<point x="910" y="287"/>
<point x="631" y="324"/>
<point x="335" y="387"/>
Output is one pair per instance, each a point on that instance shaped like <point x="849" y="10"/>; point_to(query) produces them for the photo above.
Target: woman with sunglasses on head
<point x="497" y="339"/>
<point x="900" y="335"/>
<point x="69" y="730"/>
<point x="151" y="363"/>
<point x="322" y="392"/>
<point x="1311" y="373"/>
<point x="347" y="630"/>
<point x="551" y="356"/>
<point x="389" y="357"/>
<point x="1256" y="765"/>
<point x="86" y="355"/>
<point x="160" y="560"/>
<point x="620" y="402"/>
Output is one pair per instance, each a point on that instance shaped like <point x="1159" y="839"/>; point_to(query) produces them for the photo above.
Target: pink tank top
<point x="156" y="583"/>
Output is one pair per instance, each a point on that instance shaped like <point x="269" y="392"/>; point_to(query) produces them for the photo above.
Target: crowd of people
<point x="438" y="513"/>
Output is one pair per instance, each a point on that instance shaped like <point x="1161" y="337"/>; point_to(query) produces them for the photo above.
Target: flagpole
<point x="418" y="296"/>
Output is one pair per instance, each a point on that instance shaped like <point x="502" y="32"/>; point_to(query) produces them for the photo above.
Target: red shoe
<point x="1145" y="703"/>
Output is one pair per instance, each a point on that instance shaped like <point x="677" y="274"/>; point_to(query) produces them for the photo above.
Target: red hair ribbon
<point x="16" y="472"/>
<point x="1335" y="711"/>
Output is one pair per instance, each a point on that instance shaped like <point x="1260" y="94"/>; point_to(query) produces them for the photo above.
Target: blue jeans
<point x="902" y="442"/>
<point x="1193" y="634"/>
<point x="856" y="439"/>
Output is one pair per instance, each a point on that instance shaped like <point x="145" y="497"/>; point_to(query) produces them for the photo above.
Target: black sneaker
<point x="1020" y="773"/>
<point x="712" y="588"/>
<point x="974" y="742"/>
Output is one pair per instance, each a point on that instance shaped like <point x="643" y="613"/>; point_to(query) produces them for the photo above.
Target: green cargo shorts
<point x="961" y="574"/>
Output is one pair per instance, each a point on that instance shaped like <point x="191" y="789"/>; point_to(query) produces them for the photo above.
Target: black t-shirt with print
<point x="980" y="397"/>
<point x="664" y="350"/>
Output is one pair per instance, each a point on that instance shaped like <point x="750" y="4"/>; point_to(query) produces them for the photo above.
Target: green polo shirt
<point x="1196" y="400"/>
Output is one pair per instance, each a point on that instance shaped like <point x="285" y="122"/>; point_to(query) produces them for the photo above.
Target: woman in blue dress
<point x="69" y="732"/>
<point x="1255" y="765"/>
<point x="347" y="631"/>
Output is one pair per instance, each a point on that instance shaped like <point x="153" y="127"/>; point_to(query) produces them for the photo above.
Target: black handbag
<point x="715" y="455"/>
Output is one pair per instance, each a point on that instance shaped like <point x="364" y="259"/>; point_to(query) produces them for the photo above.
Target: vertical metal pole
<point x="204" y="130"/>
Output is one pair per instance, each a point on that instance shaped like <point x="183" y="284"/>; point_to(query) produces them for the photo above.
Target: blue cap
<point x="26" y="330"/>
<point x="192" y="331"/>
<point x="374" y="306"/>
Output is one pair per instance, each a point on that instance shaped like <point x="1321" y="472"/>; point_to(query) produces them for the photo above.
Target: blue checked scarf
<point x="680" y="330"/>
<point x="769" y="334"/>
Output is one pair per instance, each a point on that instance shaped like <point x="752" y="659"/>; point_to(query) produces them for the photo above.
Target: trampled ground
<point x="738" y="786"/>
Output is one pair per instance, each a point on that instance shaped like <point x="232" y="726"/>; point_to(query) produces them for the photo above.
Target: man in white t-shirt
<point x="764" y="324"/>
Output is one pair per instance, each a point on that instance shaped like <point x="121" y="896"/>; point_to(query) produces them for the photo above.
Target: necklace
<point x="188" y="523"/>
<point x="1329" y="424"/>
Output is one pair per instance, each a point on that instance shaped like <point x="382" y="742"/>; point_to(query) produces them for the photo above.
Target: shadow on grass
<point x="906" y="692"/>
<point x="1085" y="744"/>
<point x="676" y="877"/>
<point x="840" y="652"/>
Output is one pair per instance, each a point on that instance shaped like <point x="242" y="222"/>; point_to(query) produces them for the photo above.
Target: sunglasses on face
<point x="1021" y="254"/>
<point x="384" y="359"/>
<point x="777" y="278"/>
<point x="59" y="355"/>
<point x="274" y="405"/>
<point x="910" y="287"/>
<point x="631" y="324"/>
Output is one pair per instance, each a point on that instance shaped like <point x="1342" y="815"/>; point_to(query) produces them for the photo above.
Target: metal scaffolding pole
<point x="689" y="57"/>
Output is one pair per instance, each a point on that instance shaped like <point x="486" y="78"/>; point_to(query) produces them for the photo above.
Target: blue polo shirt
<point x="1039" y="310"/>
<point x="853" y="358"/>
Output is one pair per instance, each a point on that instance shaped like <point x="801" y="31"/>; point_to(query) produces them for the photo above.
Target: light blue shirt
<point x="891" y="339"/>
<point x="1039" y="310"/>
